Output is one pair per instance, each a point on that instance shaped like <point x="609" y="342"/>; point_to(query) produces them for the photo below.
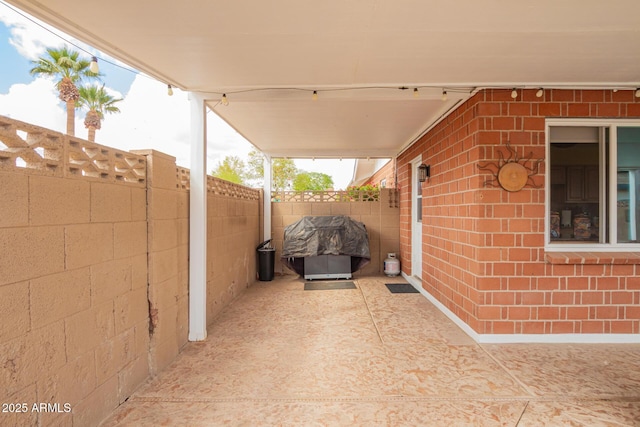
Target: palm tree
<point x="98" y="102"/>
<point x="65" y="65"/>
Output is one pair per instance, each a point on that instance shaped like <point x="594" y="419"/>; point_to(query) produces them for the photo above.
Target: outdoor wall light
<point x="424" y="172"/>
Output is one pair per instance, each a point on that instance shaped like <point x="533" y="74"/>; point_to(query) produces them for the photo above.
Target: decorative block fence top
<point x="217" y="186"/>
<point x="326" y="196"/>
<point x="36" y="150"/>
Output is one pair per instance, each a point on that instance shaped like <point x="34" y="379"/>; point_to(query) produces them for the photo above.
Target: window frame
<point x="611" y="187"/>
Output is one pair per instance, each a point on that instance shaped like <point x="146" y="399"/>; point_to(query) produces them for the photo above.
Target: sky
<point x="149" y="118"/>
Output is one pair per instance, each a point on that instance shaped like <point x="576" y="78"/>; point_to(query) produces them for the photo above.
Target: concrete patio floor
<point x="283" y="356"/>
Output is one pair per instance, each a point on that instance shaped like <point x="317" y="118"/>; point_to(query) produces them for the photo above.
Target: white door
<point x="416" y="220"/>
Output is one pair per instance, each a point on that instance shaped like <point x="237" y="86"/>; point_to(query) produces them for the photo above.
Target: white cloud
<point x="36" y="103"/>
<point x="28" y="38"/>
<point x="31" y="37"/>
<point x="150" y="119"/>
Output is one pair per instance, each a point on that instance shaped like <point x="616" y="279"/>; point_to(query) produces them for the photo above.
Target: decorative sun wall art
<point x="512" y="173"/>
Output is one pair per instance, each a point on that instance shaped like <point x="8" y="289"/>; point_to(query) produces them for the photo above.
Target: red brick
<point x="576" y="283"/>
<point x="562" y="298"/>
<point x="503" y="269"/>
<point x="520" y="225"/>
<point x="503" y="298"/>
<point x="592" y="96"/>
<point x="623" y="96"/>
<point x="621" y="297"/>
<point x="603" y="312"/>
<point x="632" y="312"/>
<point x="592" y="327"/>
<point x="503" y="327"/>
<point x="579" y="110"/>
<point x="532" y="298"/>
<point x="503" y="240"/>
<point x="502" y="95"/>
<point x="562" y="327"/>
<point x="504" y="211"/>
<point x="633" y="283"/>
<point x="488" y="312"/>
<point x="563" y="270"/>
<point x="591" y="298"/>
<point x="520" y="109"/>
<point x="549" y="109"/>
<point x="533" y="211"/>
<point x="533" y="240"/>
<point x="519" y="255"/>
<point x="519" y="283"/>
<point x="534" y="123"/>
<point x="607" y="283"/>
<point x="548" y="313"/>
<point x="622" y="327"/>
<point x="622" y="270"/>
<point x="519" y="313"/>
<point x="488" y="109"/>
<point x="488" y="137"/>
<point x="577" y="313"/>
<point x="608" y="110"/>
<point x="633" y="110"/>
<point x="590" y="270"/>
<point x="533" y="328"/>
<point x="548" y="283"/>
<point x="562" y="95"/>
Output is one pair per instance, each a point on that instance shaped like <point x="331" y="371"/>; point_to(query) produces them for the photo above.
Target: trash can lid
<point x="263" y="244"/>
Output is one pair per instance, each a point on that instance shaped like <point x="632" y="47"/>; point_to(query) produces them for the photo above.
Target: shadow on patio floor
<point x="280" y="355"/>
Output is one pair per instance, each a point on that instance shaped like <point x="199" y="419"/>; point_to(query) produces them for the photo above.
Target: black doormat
<point x="324" y="286"/>
<point x="401" y="288"/>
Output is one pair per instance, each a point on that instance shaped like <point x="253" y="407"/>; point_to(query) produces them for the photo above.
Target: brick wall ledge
<point x="592" y="257"/>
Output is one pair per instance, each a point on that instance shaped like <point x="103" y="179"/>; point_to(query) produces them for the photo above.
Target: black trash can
<point x="266" y="261"/>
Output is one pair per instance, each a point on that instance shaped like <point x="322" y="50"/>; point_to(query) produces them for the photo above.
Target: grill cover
<point x="325" y="235"/>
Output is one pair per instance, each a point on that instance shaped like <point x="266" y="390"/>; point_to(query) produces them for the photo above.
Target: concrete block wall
<point x="168" y="251"/>
<point x="94" y="270"/>
<point x="381" y="217"/>
<point x="73" y="295"/>
<point x="483" y="251"/>
<point x="233" y="233"/>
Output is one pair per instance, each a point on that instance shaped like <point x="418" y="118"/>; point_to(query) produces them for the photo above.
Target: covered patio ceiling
<point x="269" y="56"/>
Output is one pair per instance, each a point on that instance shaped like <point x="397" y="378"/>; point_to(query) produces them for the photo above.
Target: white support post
<point x="198" y="220"/>
<point x="267" y="198"/>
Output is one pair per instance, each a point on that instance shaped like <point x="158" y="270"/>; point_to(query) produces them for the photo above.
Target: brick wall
<point x="483" y="247"/>
<point x="381" y="218"/>
<point x="387" y="173"/>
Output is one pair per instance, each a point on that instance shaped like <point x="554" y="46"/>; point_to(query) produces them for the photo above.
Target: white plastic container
<point x="391" y="265"/>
